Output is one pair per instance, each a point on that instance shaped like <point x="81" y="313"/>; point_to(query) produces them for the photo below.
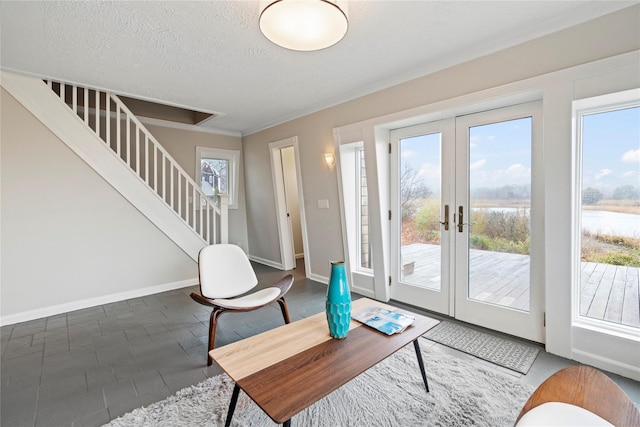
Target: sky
<point x="500" y="153"/>
<point x="611" y="149"/>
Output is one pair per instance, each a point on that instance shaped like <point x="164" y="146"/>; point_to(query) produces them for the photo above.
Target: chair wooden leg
<point x="285" y="310"/>
<point x="213" y="323"/>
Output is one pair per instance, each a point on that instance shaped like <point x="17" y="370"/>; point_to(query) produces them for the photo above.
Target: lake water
<point x="605" y="222"/>
<point x="613" y="223"/>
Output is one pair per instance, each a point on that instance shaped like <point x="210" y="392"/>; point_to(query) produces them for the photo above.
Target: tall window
<point x="363" y="211"/>
<point x="608" y="130"/>
<point x="217" y="171"/>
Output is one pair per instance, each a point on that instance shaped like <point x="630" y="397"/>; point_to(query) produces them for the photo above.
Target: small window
<point x="217" y="170"/>
<point x="363" y="212"/>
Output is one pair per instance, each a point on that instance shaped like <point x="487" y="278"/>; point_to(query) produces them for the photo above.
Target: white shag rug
<point x="390" y="394"/>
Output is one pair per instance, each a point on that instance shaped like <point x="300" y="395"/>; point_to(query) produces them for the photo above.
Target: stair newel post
<point x="224" y="218"/>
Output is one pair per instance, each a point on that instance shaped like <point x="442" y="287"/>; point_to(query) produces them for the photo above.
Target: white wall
<point x="607" y="36"/>
<point x="68" y="239"/>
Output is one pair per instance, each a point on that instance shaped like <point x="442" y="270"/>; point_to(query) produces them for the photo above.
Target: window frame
<point x="233" y="173"/>
<point x="581" y="108"/>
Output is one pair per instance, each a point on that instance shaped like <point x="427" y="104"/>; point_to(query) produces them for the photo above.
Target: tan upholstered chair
<point x="226" y="277"/>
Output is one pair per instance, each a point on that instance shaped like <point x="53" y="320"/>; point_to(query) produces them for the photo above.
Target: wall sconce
<point x="329" y="159"/>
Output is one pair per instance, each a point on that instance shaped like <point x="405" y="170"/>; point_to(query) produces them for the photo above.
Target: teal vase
<point x="338" y="305"/>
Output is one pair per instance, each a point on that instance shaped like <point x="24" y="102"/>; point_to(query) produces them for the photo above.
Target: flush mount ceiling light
<point x="304" y="24"/>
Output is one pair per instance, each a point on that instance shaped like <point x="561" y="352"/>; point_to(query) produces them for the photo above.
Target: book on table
<point x="386" y="321"/>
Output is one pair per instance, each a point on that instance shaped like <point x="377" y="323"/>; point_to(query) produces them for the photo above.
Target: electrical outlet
<point x="323" y="204"/>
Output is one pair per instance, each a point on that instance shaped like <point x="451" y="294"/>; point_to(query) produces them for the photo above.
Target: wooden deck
<point x="609" y="292"/>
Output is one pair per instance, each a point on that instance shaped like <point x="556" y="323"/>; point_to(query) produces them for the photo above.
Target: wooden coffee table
<point x="287" y="369"/>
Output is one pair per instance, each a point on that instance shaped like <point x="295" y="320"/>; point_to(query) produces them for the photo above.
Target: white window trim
<point x="581" y="108"/>
<point x="233" y="157"/>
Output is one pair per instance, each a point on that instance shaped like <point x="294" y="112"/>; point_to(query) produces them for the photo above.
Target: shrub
<point x="500" y="231"/>
<point x="614" y="250"/>
<point x="427" y="221"/>
<point x="513" y="226"/>
<point x="627" y="258"/>
<point x="499" y="244"/>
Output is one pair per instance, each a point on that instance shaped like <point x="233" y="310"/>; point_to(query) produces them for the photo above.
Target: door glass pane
<point x="420" y="190"/>
<point x="610" y="216"/>
<point x="499" y="205"/>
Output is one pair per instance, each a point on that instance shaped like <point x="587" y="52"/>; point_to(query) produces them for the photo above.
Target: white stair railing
<point x="127" y="138"/>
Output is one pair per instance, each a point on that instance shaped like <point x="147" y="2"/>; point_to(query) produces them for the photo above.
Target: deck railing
<point x="110" y="119"/>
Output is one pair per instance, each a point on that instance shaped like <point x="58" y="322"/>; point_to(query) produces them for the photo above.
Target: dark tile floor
<point x="89" y="366"/>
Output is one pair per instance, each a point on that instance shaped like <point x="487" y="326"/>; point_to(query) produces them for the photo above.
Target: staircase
<point x="100" y="128"/>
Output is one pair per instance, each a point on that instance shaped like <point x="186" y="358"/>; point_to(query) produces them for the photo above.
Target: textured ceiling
<point x="210" y="55"/>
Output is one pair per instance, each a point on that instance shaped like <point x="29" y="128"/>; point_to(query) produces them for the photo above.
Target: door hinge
<point x="389" y="148"/>
<point x="389" y="214"/>
<point x="389" y="280"/>
<point x="544" y="319"/>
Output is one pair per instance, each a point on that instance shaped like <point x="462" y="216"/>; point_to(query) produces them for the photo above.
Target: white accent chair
<point x="226" y="275"/>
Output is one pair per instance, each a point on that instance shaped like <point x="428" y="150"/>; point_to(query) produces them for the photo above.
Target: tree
<point x="626" y="192"/>
<point x="591" y="196"/>
<point x="412" y="189"/>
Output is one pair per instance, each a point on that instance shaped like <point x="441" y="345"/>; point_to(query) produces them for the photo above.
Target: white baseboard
<point x="606" y="364"/>
<point x="266" y="262"/>
<point x="298" y="256"/>
<point x="365" y="292"/>
<point x="25" y="316"/>
<point x="318" y="278"/>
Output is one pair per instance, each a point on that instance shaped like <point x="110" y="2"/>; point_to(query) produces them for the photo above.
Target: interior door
<point x="422" y="227"/>
<point x="498" y="209"/>
<point x="462" y="240"/>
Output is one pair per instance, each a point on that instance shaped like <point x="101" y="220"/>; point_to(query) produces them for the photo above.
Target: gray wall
<point x="607" y="36"/>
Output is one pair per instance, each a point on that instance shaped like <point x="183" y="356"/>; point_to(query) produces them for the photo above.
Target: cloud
<point x="603" y="172"/>
<point x="474" y="138"/>
<point x="516" y="170"/>
<point x="477" y="165"/>
<point x="408" y="153"/>
<point x="430" y="173"/>
<point x="472" y="145"/>
<point x="629" y="174"/>
<point x="631" y="156"/>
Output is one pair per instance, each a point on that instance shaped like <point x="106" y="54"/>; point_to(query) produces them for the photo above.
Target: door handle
<point x="446" y="218"/>
<point x="461" y="222"/>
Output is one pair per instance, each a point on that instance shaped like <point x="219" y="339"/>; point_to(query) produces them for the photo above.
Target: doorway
<point x="289" y="202"/>
<point x="464" y="239"/>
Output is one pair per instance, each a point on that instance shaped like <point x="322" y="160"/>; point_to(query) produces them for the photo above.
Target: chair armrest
<point x="202" y="300"/>
<point x="284" y="284"/>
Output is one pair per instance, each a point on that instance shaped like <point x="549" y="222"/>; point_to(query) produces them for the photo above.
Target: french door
<point x="464" y="236"/>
